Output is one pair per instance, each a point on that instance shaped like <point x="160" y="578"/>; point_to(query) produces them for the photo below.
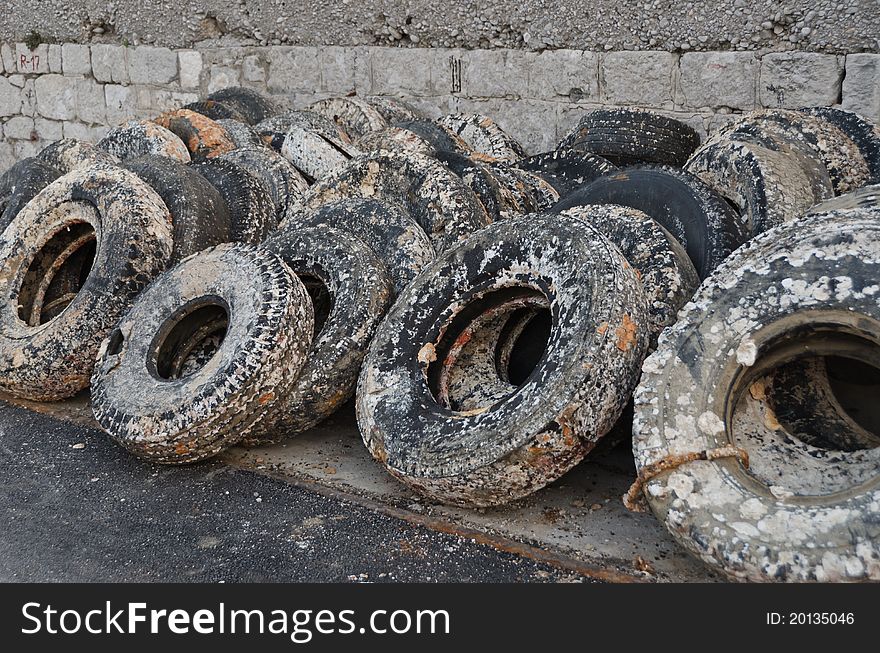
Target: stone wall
<point x="78" y="90"/>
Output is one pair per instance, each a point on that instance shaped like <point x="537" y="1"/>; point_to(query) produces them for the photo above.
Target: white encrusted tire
<point x="73" y="260"/>
<point x="435" y="197"/>
<point x="475" y="446"/>
<point x="69" y="154"/>
<point x="798" y="512"/>
<point x="138" y="138"/>
<point x="204" y="356"/>
<point x="316" y="153"/>
<point x="285" y="184"/>
<point x="483" y="135"/>
<point x="356" y="117"/>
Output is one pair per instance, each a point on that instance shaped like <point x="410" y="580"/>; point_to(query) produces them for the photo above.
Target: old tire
<point x="663" y="266"/>
<point x="316" y="153"/>
<point x="70" y="154"/>
<point x="393" y="111"/>
<point x="215" y="110"/>
<point x="502" y="446"/>
<point x="156" y="407"/>
<point x="74" y="259"/>
<point x="865" y="135"/>
<point x="566" y="169"/>
<point x="395" y="139"/>
<point x="440" y="138"/>
<point x="628" y="137"/>
<point x="274" y="130"/>
<point x="286" y="186"/>
<point x="798" y="512"/>
<point x="350" y="292"/>
<point x="354" y="116"/>
<point x="203" y="137"/>
<point x="498" y="200"/>
<point x="251" y="105"/>
<point x="768" y="181"/>
<point x="242" y="135"/>
<point x="139" y="138"/>
<point x="483" y="135"/>
<point x="20" y="184"/>
<point x="864" y="197"/>
<point x="393" y="235"/>
<point x="198" y="211"/>
<point x="698" y="217"/>
<point x="251" y="210"/>
<point x="438" y="200"/>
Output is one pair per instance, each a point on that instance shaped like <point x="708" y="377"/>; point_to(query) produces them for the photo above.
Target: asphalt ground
<point x="76" y="507"/>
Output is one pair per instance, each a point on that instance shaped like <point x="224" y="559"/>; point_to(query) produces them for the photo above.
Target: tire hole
<point x="322" y="299"/>
<point x="522" y="344"/>
<point x="189" y="339"/>
<point x="114" y="346"/>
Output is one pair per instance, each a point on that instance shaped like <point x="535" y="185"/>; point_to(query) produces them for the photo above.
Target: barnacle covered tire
<point x="567" y="169"/>
<point x="74" y="259"/>
<point x="666" y="272"/>
<point x="286" y="186"/>
<point x="496" y="197"/>
<point x="438" y="200"/>
<point x="134" y="139"/>
<point x="198" y="211"/>
<point x="699" y="218"/>
<point x="69" y="154"/>
<point x="865" y="135"/>
<point x="864" y="197"/>
<point x="399" y="242"/>
<point x="215" y="110"/>
<point x="626" y="137"/>
<point x="274" y="130"/>
<point x="20" y="183"/>
<point x="483" y="135"/>
<point x="395" y="139"/>
<point x="350" y="292"/>
<point x="799" y="512"/>
<point x="768" y="181"/>
<point x="241" y="134"/>
<point x="204" y="356"/>
<point x="251" y="105"/>
<point x="251" y="210"/>
<point x="440" y="138"/>
<point x="483" y="444"/>
<point x="393" y="111"/>
<point x="355" y="116"/>
<point x="316" y="153"/>
<point x="203" y="137"/>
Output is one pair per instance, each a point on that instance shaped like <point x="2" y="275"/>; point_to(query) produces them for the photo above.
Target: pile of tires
<point x="234" y="271"/>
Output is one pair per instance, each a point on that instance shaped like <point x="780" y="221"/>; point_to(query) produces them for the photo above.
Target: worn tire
<point x="350" y="291"/>
<point x="628" y="137"/>
<point x="286" y="186"/>
<point x="70" y="154"/>
<point x="393" y="235"/>
<point x="251" y="211"/>
<point x="502" y="446"/>
<point x="242" y="135"/>
<point x="536" y="191"/>
<point x="865" y="135"/>
<point x="799" y="512"/>
<point x="198" y="212"/>
<point x="864" y="197"/>
<point x="818" y="138"/>
<point x="663" y="266"/>
<point x="698" y="217"/>
<point x="203" y="137"/>
<point x="393" y="111"/>
<point x="566" y="169"/>
<point x="497" y="198"/>
<point x="216" y="110"/>
<point x="155" y="407"/>
<point x="483" y="135"/>
<point x="316" y="153"/>
<point x="138" y="138"/>
<point x="395" y="139"/>
<point x="355" y="116"/>
<point x="439" y="201"/>
<point x="274" y="130"/>
<point x="20" y="184"/>
<point x="101" y="209"/>
<point x="251" y="105"/>
<point x="440" y="138"/>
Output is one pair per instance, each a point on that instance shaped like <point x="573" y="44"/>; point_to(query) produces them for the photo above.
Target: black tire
<point x="203" y="137"/>
<point x="251" y="211"/>
<point x="440" y="138"/>
<point x="354" y="116"/>
<point x="393" y="235"/>
<point x="483" y="135"/>
<point x="566" y="169"/>
<point x="241" y="134"/>
<point x="70" y="154"/>
<point x="138" y="138"/>
<point x="534" y="191"/>
<point x="796" y="512"/>
<point x="663" y="266"/>
<point x="438" y="200"/>
<point x="865" y="135"/>
<point x="20" y="184"/>
<point x="251" y="105"/>
<point x="198" y="212"/>
<point x="817" y="138"/>
<point x="316" y="153"/>
<point x="350" y="292"/>
<point x="74" y="259"/>
<point x="767" y="180"/>
<point x="393" y="111"/>
<point x="864" y="197"/>
<point x="498" y="200"/>
<point x="274" y="130"/>
<point x="699" y="218"/>
<point x="485" y="442"/>
<point x="216" y="110"/>
<point x="204" y="356"/>
<point x="286" y="186"/>
<point x="628" y="137"/>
